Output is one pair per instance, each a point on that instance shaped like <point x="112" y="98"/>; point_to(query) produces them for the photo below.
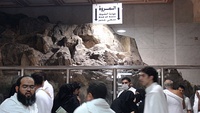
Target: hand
<point x="197" y="93"/>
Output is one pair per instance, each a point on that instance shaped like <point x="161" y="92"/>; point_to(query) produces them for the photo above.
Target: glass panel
<point x="7" y="79"/>
<point x="189" y="78"/>
<point x="130" y="73"/>
<point x="55" y="77"/>
<point x="86" y="76"/>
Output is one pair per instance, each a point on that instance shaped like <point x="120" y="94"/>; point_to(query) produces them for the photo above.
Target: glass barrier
<point x="110" y="75"/>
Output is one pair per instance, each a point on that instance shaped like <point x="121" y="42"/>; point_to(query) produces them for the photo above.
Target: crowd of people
<point x="34" y="94"/>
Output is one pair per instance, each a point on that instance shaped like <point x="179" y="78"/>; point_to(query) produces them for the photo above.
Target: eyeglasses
<point x="26" y="87"/>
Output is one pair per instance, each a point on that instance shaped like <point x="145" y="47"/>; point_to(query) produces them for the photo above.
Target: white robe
<point x="155" y="101"/>
<point x="43" y="101"/>
<point x="49" y="88"/>
<point x="175" y="103"/>
<point x="94" y="106"/>
<point x="195" y="106"/>
<point x="12" y="105"/>
<point x="187" y="104"/>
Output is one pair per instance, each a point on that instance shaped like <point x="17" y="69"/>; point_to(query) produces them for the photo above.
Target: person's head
<point x="76" y="86"/>
<point x="44" y="75"/>
<point x="168" y="84"/>
<point x="65" y="90"/>
<point x="148" y="75"/>
<point x="126" y="83"/>
<point x="25" y="88"/>
<point x="181" y="88"/>
<point x="38" y="78"/>
<point x="96" y="89"/>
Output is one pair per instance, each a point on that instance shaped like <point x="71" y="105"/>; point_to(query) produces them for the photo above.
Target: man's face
<point x="144" y="79"/>
<point x="126" y="82"/>
<point x="181" y="90"/>
<point x="26" y="91"/>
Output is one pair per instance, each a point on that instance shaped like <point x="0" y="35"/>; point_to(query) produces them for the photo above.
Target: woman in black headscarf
<point x="124" y="103"/>
<point x="65" y="99"/>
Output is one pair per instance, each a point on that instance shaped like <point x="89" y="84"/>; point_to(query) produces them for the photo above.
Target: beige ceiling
<point x="39" y="3"/>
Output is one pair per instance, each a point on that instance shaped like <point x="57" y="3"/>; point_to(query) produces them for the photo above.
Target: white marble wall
<point x="152" y="27"/>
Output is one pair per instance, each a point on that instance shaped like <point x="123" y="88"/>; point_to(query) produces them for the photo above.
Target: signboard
<point x="107" y="13"/>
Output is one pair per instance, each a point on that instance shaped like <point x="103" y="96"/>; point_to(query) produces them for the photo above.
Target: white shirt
<point x="94" y="106"/>
<point x="195" y="106"/>
<point x="12" y="105"/>
<point x="155" y="101"/>
<point x="175" y="103"/>
<point x="49" y="88"/>
<point x="43" y="101"/>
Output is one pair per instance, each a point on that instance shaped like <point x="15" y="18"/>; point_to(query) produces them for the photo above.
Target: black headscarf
<point x="66" y="99"/>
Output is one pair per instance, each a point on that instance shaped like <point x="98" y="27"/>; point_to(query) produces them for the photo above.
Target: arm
<point x="188" y="105"/>
<point x="198" y="96"/>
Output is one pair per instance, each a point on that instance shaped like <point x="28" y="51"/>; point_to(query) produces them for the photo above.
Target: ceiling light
<point x="121" y="31"/>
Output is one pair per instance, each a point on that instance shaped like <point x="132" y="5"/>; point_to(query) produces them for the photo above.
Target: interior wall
<point x="165" y="33"/>
<point x="65" y="14"/>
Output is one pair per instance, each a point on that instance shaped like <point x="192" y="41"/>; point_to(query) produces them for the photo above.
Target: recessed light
<point x="121" y="31"/>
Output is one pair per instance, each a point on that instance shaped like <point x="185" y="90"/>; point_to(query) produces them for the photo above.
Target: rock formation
<point x="27" y="41"/>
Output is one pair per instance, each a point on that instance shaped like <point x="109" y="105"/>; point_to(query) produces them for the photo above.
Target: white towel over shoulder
<point x="174" y="102"/>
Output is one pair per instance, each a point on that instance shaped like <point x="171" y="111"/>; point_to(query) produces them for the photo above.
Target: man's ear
<point x="151" y="77"/>
<point x="89" y="97"/>
<point x="16" y="88"/>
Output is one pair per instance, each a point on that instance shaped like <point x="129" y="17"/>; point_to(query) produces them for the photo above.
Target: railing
<point x="113" y="68"/>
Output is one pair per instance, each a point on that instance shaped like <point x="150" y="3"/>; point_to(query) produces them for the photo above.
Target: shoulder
<point x="178" y="93"/>
<point x="9" y="105"/>
<point x="9" y="102"/>
<point x="156" y="88"/>
<point x="132" y="89"/>
<point x="81" y="109"/>
<point x="12" y="101"/>
<point x="42" y="94"/>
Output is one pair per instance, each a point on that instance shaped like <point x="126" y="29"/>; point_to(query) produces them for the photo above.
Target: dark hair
<point x="98" y="89"/>
<point x="181" y="86"/>
<point x="38" y="78"/>
<point x="65" y="89"/>
<point x="126" y="78"/>
<point x="18" y="82"/>
<point x="75" y="85"/>
<point x="44" y="75"/>
<point x="150" y="71"/>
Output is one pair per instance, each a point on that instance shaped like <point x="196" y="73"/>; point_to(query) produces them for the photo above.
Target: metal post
<point x="162" y="77"/>
<point x="22" y="72"/>
<point x="114" y="83"/>
<point x="68" y="76"/>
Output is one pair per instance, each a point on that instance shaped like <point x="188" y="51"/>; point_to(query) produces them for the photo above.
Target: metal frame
<point x="113" y="68"/>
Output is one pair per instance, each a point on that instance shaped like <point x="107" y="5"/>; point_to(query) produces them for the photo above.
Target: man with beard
<point x="23" y="101"/>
